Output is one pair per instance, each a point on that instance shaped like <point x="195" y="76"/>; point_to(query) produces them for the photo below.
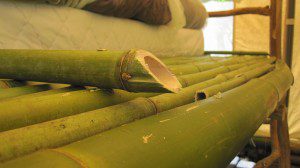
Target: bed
<point x="36" y="25"/>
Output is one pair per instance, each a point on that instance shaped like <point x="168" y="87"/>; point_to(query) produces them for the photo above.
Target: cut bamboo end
<point x="163" y="80"/>
<point x="200" y="96"/>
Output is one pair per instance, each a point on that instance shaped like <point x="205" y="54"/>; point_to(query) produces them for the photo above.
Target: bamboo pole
<point x="235" y="82"/>
<point x="37" y="109"/>
<point x="46" y="93"/>
<point x="171" y="61"/>
<point x="200" y="134"/>
<point x="134" y="70"/>
<point x="191" y="79"/>
<point x="184" y="60"/>
<point x="73" y="128"/>
<point x="4" y="84"/>
<point x="204" y="66"/>
<point x="23" y="90"/>
<point x="238" y="53"/>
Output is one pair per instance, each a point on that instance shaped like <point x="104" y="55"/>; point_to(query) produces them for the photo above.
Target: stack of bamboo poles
<point x="78" y="126"/>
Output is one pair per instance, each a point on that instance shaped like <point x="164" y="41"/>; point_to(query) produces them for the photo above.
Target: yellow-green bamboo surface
<point x="134" y="70"/>
<point x="202" y="134"/>
<point x="76" y="127"/>
<point x="4" y="84"/>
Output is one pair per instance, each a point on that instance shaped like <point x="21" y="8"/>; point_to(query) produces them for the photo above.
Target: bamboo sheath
<point x="134" y="70"/>
<point x="4" y="84"/>
<point x="200" y="134"/>
<point x="73" y="128"/>
<point x="235" y="82"/>
<point x="23" y="90"/>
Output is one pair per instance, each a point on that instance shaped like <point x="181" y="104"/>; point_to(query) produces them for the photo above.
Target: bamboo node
<point x="102" y="49"/>
<point x="218" y="95"/>
<point x="126" y="76"/>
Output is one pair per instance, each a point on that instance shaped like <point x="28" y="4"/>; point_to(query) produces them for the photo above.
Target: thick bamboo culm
<point x="36" y="109"/>
<point x="77" y="127"/>
<point x="163" y="140"/>
<point x="4" y="84"/>
<point x="23" y="90"/>
<point x="134" y="70"/>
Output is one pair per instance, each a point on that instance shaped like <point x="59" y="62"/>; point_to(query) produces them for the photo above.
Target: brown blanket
<point x="155" y="12"/>
<point x="149" y="11"/>
<point x="195" y="14"/>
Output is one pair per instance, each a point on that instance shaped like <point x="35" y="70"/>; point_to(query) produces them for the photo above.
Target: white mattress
<point x="33" y="25"/>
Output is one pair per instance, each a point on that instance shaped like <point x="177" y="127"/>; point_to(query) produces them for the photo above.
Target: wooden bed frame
<point x="278" y="120"/>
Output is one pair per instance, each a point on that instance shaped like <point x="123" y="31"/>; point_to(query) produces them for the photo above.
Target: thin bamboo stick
<point x="23" y="90"/>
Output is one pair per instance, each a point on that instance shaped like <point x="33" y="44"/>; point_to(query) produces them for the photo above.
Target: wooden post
<point x="275" y="28"/>
<point x="283" y="137"/>
<point x="275" y="155"/>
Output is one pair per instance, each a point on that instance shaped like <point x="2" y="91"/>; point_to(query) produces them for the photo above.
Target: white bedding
<point x="35" y="25"/>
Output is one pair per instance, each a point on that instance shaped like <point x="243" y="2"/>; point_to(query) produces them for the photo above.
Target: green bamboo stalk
<point x="275" y="77"/>
<point x="191" y="79"/>
<point x="258" y="53"/>
<point x="233" y="83"/>
<point x="23" y="115"/>
<point x="134" y="70"/>
<point x="41" y="108"/>
<point x="200" y="67"/>
<point x="48" y="92"/>
<point x="23" y="90"/>
<point x="167" y="101"/>
<point x="4" y="84"/>
<point x="200" y="134"/>
<point x="73" y="128"/>
<point x="183" y="60"/>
